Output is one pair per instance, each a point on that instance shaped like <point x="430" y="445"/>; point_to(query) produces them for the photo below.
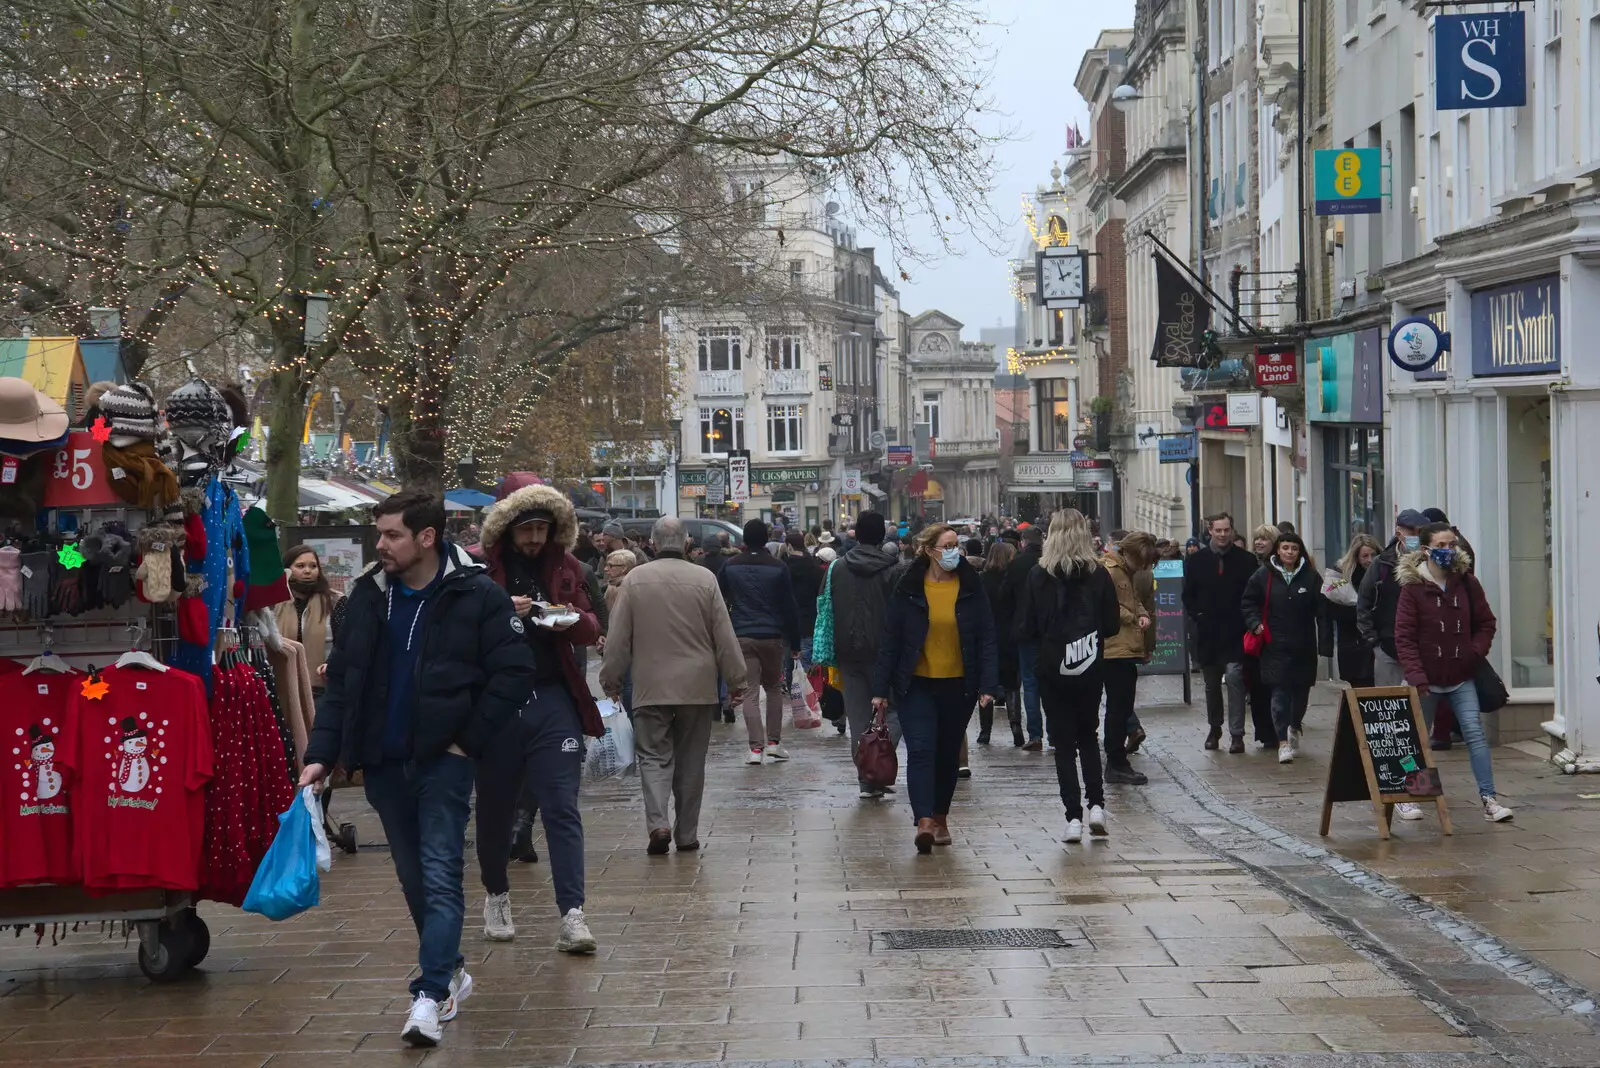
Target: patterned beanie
<point x="198" y="415"/>
<point x="131" y="410"/>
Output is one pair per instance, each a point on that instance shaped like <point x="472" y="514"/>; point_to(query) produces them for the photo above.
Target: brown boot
<point x="941" y="830"/>
<point x="926" y="829"/>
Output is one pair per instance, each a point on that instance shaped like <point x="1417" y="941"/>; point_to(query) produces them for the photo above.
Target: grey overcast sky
<point x="1038" y="45"/>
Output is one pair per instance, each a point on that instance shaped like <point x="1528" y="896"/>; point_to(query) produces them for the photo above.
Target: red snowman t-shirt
<point x="141" y="760"/>
<point x="35" y="795"/>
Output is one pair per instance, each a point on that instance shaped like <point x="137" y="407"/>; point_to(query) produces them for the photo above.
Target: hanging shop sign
<point x="1094" y="476"/>
<point x="1480" y="60"/>
<point x="851" y="482"/>
<point x="1348" y="181"/>
<point x="1275" y="365"/>
<point x="1244" y="409"/>
<point x="1415" y="344"/>
<point x="1516" y="328"/>
<point x="1176" y="448"/>
<point x="900" y="456"/>
<point x="825" y="377"/>
<point x="78" y="475"/>
<point x="1183" y="317"/>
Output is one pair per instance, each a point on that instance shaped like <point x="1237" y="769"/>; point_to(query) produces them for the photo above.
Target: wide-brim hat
<point x="27" y="414"/>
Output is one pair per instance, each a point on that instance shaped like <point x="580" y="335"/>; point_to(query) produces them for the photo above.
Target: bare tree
<point x="412" y="159"/>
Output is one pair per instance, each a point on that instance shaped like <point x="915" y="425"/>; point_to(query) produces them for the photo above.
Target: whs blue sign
<point x="1480" y="60"/>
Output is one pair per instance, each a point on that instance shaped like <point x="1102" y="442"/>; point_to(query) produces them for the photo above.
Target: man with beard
<point x="527" y="538"/>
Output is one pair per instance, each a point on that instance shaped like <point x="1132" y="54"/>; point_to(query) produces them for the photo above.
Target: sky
<point x="1038" y="45"/>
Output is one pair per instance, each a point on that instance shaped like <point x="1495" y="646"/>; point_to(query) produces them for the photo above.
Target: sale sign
<point x="78" y="476"/>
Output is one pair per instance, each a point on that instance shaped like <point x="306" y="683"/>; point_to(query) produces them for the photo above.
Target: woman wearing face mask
<point x="1283" y="604"/>
<point x="937" y="658"/>
<point x="1340" y="587"/>
<point x="1443" y="628"/>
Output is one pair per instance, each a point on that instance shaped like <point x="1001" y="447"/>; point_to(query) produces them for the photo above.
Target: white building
<point x="952" y="382"/>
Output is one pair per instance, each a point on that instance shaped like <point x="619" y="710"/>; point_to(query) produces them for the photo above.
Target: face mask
<point x="1413" y="541"/>
<point x="1442" y="557"/>
<point x="950" y="559"/>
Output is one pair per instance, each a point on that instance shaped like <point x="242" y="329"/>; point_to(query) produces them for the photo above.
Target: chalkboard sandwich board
<point x="1379" y="742"/>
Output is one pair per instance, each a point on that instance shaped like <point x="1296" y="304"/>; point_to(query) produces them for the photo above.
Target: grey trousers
<point x="1386" y="670"/>
<point x="1233" y="675"/>
<point x="858" y="697"/>
<point x="671" y="742"/>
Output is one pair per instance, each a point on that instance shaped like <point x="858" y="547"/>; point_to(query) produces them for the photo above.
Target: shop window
<point x="721" y="429"/>
<point x="1354" y="497"/>
<point x="1527" y="622"/>
<point x="1055" y="415"/>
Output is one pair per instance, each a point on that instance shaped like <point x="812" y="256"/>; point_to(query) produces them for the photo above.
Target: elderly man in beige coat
<point x="671" y="627"/>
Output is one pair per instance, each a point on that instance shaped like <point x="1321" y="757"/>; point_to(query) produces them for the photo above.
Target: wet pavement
<point x="1193" y="939"/>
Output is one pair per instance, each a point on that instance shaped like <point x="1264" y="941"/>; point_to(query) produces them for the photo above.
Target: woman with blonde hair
<point x="1069" y="609"/>
<point x="1261" y="541"/>
<point x="1340" y="588"/>
<point x="937" y="658"/>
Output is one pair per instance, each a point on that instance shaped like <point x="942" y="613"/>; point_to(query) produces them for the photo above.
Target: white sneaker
<point x="776" y="751"/>
<point x="460" y="990"/>
<point x="1494" y="811"/>
<point x="1097" y="821"/>
<point x="575" y="936"/>
<point x="1074" y="830"/>
<point x="753" y="758"/>
<point x="497" y="925"/>
<point x="1408" y="810"/>
<point x="1285" y="753"/>
<point x="422" y="1026"/>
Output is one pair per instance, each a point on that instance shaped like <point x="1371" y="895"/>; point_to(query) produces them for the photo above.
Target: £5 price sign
<point x="77" y="475"/>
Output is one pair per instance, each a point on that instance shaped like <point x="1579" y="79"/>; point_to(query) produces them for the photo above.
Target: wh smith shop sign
<point x="1516" y="329"/>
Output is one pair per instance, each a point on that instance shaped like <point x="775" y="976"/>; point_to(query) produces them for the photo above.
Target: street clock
<point x="1063" y="276"/>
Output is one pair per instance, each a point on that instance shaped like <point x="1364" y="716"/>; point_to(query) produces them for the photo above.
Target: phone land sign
<point x="1480" y="60"/>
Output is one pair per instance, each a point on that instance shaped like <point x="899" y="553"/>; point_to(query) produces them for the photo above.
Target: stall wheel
<point x="199" y="935"/>
<point x="166" y="956"/>
<point x="346" y="838"/>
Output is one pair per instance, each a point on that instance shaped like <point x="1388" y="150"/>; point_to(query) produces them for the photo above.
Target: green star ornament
<point x="69" y="557"/>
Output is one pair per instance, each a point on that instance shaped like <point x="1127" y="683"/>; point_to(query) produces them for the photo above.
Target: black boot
<point x="1014" y="717"/>
<point x="985" y="723"/>
<point x="522" y="839"/>
<point x="1214" y="736"/>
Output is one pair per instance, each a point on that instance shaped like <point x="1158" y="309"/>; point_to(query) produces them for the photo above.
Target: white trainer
<point x="1097" y="821"/>
<point x="575" y="936"/>
<point x="497" y="925"/>
<point x="753" y="758"/>
<point x="1494" y="811"/>
<point x="1408" y="810"/>
<point x="460" y="990"/>
<point x="776" y="751"/>
<point x="1285" y="753"/>
<point x="422" y="1026"/>
<point x="1074" y="830"/>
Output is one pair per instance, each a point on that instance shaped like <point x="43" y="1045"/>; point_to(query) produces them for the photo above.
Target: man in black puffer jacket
<point x="430" y="663"/>
<point x="760" y="598"/>
<point x="860" y="585"/>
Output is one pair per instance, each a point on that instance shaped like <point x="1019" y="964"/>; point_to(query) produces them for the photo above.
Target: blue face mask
<point x="950" y="559"/>
<point x="1413" y="542"/>
<point x="1442" y="557"/>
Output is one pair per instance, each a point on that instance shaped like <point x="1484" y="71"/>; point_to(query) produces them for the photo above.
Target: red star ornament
<point x="101" y="430"/>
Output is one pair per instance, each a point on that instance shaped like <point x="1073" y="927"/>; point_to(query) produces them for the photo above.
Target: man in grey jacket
<point x="859" y="585"/>
<point x="672" y="628"/>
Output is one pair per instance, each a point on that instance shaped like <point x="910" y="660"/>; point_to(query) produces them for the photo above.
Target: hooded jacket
<point x="1377" y="599"/>
<point x="1129" y="643"/>
<point x="562" y="577"/>
<point x="1440" y="634"/>
<point x="473" y="673"/>
<point x="860" y="585"/>
<point x="1296" y="617"/>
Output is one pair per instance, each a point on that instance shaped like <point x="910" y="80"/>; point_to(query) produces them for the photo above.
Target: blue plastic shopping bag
<point x="286" y="883"/>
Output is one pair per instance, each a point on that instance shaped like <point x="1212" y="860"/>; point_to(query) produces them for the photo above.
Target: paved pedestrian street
<point x="1190" y="939"/>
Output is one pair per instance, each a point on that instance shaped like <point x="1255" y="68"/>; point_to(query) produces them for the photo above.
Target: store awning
<point x="873" y="491"/>
<point x="337" y="498"/>
<point x="468" y="498"/>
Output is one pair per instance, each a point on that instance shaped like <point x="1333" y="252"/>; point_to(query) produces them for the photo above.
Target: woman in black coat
<point x="1283" y="604"/>
<point x="1002" y="605"/>
<point x="1355" y="656"/>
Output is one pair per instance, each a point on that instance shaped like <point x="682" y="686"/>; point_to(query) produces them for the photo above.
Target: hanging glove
<point x="10" y="579"/>
<point x="116" y="571"/>
<point x="66" y="590"/>
<point x="36" y="585"/>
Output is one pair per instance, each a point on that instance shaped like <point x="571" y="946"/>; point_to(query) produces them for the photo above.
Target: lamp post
<point x="676" y="424"/>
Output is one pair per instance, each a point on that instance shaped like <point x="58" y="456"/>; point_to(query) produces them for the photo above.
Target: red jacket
<point x="1440" y="634"/>
<point x="562" y="577"/>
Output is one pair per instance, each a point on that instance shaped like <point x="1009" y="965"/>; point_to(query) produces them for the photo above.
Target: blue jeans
<point x="424" y="809"/>
<point x="1027" y="659"/>
<point x="1288" y="708"/>
<point x="934" y="714"/>
<point x="1464" y="702"/>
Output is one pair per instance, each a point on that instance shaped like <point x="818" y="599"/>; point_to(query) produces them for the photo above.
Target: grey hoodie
<point x="860" y="591"/>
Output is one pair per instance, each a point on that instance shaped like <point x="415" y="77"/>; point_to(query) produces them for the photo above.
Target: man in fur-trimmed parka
<point x="527" y="540"/>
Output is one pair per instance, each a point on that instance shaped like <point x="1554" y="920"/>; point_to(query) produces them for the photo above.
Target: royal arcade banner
<point x="1182" y="318"/>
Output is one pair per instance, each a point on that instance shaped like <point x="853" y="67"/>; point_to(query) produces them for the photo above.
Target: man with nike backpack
<point x="1069" y="609"/>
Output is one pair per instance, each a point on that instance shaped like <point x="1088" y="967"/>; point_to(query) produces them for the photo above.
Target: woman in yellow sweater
<point x="937" y="658"/>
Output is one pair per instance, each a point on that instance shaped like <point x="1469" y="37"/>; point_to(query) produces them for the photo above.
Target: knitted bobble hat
<point x="197" y="413"/>
<point x="131" y="410"/>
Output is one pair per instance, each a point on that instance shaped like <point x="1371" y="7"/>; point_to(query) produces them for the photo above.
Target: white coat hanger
<point x="48" y="661"/>
<point x="136" y="657"/>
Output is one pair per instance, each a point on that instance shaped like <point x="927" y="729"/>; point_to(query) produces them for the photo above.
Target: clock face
<point x="1062" y="277"/>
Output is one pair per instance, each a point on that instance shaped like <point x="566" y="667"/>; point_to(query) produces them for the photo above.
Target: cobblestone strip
<point x="1478" y="942"/>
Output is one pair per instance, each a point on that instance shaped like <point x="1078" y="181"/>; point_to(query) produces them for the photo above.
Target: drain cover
<point x="968" y="938"/>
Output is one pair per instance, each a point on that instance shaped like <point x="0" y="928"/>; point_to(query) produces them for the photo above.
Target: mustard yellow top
<point x="941" y="652"/>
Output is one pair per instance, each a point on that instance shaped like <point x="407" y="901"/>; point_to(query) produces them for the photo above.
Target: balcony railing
<point x="984" y="446"/>
<point x="721" y="384"/>
<point x="795" y="380"/>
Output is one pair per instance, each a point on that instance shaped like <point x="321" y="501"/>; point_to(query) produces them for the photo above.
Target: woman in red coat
<point x="1443" y="629"/>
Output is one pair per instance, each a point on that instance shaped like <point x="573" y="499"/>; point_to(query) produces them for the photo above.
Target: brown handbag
<point x="877" y="764"/>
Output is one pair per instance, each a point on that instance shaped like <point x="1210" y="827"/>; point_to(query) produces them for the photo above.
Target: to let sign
<point x="1516" y="329"/>
<point x="1480" y="60"/>
<point x="1275" y="366"/>
<point x="78" y="475"/>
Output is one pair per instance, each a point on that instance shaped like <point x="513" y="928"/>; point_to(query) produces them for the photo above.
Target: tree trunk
<point x="288" y="408"/>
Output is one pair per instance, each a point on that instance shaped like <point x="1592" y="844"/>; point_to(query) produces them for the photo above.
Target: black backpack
<point x="1070" y="648"/>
